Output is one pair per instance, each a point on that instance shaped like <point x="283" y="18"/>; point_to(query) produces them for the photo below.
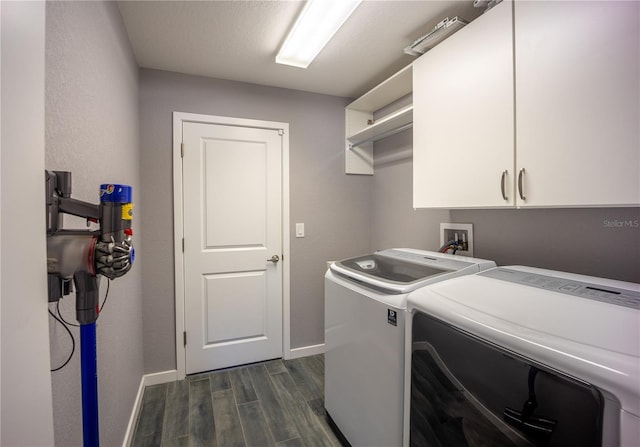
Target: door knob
<point x="274" y="259"/>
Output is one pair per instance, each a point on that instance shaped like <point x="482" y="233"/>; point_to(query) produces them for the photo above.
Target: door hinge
<point x="182" y="150"/>
<point x="182" y="245"/>
<point x="184" y="337"/>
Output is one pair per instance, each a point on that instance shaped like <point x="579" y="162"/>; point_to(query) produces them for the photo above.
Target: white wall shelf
<point x="360" y="135"/>
<point x="391" y="89"/>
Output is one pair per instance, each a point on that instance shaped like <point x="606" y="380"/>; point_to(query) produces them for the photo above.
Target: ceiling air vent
<point x="440" y="32"/>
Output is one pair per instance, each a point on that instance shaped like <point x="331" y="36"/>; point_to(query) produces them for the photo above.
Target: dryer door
<point x="466" y="392"/>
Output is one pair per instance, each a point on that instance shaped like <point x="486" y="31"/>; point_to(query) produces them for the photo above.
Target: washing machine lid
<point x="583" y="326"/>
<point x="401" y="270"/>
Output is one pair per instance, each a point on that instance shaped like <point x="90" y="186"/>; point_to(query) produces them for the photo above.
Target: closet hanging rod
<point x="382" y="135"/>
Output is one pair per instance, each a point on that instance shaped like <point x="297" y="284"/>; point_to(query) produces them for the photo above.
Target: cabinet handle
<point x="502" y="184"/>
<point x="520" y="188"/>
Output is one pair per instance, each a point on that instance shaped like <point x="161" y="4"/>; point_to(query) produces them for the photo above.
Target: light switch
<point x="299" y="230"/>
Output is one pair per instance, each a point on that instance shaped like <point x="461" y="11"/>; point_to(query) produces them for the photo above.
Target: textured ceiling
<point x="238" y="40"/>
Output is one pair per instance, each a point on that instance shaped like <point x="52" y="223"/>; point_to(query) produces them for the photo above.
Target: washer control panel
<point x="593" y="291"/>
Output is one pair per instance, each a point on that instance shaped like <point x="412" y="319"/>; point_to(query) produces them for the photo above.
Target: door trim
<point x="178" y="228"/>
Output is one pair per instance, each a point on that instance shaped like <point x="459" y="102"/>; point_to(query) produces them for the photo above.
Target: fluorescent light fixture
<point x="439" y="33"/>
<point x="316" y="25"/>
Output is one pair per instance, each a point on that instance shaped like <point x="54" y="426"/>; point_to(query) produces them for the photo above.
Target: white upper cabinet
<point x="571" y="135"/>
<point x="578" y="102"/>
<point x="463" y="143"/>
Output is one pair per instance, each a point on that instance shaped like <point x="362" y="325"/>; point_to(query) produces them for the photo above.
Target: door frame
<point x="178" y="228"/>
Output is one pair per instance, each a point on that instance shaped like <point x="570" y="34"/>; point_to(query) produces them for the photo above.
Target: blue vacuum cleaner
<point x="80" y="256"/>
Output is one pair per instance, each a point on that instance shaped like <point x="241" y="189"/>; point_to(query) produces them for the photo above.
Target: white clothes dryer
<point x="365" y="305"/>
<point x="518" y="356"/>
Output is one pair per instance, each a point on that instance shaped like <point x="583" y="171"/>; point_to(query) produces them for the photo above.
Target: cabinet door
<point x="463" y="117"/>
<point x="578" y="102"/>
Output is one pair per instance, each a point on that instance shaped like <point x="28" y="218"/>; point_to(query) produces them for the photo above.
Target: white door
<point x="232" y="195"/>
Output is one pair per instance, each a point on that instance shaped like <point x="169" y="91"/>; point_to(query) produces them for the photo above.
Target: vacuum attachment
<point x="536" y="426"/>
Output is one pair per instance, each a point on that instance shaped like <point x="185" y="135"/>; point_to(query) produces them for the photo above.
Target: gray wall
<point x="26" y="408"/>
<point x="394" y="222"/>
<point x="92" y="130"/>
<point x="585" y="241"/>
<point x="334" y="207"/>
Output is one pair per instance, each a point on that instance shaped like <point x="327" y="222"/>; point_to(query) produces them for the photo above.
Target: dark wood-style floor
<point x="276" y="403"/>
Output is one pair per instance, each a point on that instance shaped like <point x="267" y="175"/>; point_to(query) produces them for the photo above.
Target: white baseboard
<point x="161" y="377"/>
<point x="146" y="380"/>
<point x="305" y="351"/>
<point x="128" y="436"/>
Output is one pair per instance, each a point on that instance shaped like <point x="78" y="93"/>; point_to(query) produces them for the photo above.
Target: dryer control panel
<point x="594" y="291"/>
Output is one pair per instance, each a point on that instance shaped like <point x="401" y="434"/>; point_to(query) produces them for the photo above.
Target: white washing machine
<point x="517" y="356"/>
<point x="365" y="305"/>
